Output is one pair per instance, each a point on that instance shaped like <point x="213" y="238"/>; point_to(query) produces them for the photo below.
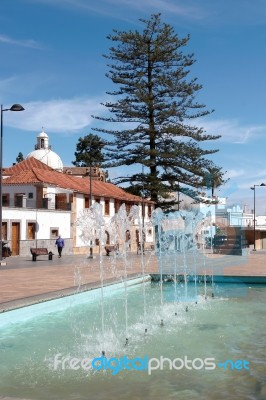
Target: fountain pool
<point x="167" y="340"/>
<point x="222" y="328"/>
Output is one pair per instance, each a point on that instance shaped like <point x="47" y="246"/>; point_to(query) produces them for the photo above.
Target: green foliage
<point x="134" y="189"/>
<point x="153" y="105"/>
<point x="89" y="151"/>
<point x="137" y="190"/>
<point x="20" y="157"/>
<point x="214" y="178"/>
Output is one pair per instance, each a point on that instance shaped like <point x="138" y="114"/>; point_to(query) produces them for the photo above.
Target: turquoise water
<point x="230" y="326"/>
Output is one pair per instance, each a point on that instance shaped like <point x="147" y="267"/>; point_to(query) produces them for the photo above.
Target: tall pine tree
<point x="154" y="104"/>
<point x="89" y="151"/>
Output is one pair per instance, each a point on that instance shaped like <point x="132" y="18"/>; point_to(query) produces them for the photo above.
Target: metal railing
<point x="44" y="204"/>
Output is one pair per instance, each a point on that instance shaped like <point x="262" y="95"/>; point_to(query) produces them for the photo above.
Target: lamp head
<point x="17" y="107"/>
<point x="262" y="184"/>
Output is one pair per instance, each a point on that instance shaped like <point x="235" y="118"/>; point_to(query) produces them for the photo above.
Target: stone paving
<point x="24" y="282"/>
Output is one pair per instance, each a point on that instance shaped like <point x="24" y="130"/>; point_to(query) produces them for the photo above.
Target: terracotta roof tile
<point x="21" y="178"/>
<point x="27" y="164"/>
<point x="23" y="175"/>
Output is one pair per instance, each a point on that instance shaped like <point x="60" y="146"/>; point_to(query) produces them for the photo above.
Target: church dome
<point x="42" y="135"/>
<point x="44" y="153"/>
<point x="48" y="157"/>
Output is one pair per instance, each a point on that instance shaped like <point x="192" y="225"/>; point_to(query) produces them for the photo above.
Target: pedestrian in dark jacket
<point x="60" y="244"/>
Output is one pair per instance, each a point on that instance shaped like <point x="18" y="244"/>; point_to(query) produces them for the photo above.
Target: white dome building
<point x="44" y="153"/>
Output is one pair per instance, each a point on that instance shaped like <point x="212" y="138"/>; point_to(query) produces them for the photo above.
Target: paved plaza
<point x="24" y="282"/>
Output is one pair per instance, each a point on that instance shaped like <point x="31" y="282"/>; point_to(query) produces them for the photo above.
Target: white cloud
<point x="24" y="43"/>
<point x="247" y="178"/>
<point x="231" y="130"/>
<point x="165" y="6"/>
<point x="116" y="7"/>
<point x="234" y="173"/>
<point x="207" y="11"/>
<point x="55" y="115"/>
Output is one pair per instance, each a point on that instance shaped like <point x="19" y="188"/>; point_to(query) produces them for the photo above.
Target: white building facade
<point x="41" y="202"/>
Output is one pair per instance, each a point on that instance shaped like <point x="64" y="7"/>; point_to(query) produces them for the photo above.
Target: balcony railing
<point x="44" y="204"/>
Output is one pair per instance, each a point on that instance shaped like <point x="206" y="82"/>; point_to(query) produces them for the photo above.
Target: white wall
<point x="260" y="220"/>
<point x="57" y="219"/>
<point x="54" y="219"/>
<point x="45" y="221"/>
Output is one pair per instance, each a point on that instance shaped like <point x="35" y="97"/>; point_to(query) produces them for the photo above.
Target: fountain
<point x="169" y="337"/>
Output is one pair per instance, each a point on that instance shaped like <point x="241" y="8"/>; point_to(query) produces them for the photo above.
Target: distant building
<point x="259" y="232"/>
<point x="233" y="216"/>
<point x="235" y="220"/>
<point x="96" y="173"/>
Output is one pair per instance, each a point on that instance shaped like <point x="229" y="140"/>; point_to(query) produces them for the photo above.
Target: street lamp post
<point x="94" y="144"/>
<point x="15" y="107"/>
<point x="143" y="213"/>
<point x="254" y="211"/>
<point x="90" y="202"/>
<point x="178" y="197"/>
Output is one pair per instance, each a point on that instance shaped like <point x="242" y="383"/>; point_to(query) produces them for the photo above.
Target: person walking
<point x="60" y="244"/>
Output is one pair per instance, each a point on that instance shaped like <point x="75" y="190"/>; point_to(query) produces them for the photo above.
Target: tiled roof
<point x="105" y="189"/>
<point x="23" y="175"/>
<point x="27" y="164"/>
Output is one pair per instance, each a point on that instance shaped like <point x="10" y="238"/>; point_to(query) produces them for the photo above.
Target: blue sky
<point x="52" y="64"/>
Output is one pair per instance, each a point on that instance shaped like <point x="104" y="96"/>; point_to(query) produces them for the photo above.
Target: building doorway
<point x="15" y="238"/>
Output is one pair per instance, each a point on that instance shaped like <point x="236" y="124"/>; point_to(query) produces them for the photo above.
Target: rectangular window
<point x="86" y="202"/>
<point x="70" y="202"/>
<point x="19" y="199"/>
<point x="5" y="200"/>
<point x="61" y="201"/>
<point x="106" y="207"/>
<point x="149" y="210"/>
<point x="31" y="230"/>
<point x="54" y="232"/>
<point x="117" y="205"/>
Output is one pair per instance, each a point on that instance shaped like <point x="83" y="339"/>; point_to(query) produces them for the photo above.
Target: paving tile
<point x="21" y="279"/>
